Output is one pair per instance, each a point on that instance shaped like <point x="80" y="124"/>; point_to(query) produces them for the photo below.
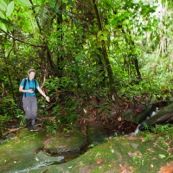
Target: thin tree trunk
<point x="59" y="19"/>
<point x="104" y="51"/>
<point x="7" y="65"/>
<point x="44" y="50"/>
<point x="134" y="60"/>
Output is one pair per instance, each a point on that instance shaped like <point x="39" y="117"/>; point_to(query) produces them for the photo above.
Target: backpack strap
<point x="24" y="85"/>
<point x="35" y="86"/>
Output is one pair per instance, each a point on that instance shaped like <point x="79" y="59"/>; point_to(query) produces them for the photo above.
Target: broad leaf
<point x="25" y="3"/>
<point x="2" y="15"/>
<point x="3" y="5"/>
<point x="10" y="8"/>
<point x="3" y="27"/>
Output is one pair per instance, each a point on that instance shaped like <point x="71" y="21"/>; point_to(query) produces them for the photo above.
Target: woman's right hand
<point x="31" y="91"/>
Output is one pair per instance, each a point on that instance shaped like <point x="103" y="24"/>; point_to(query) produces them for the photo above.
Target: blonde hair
<point x="31" y="70"/>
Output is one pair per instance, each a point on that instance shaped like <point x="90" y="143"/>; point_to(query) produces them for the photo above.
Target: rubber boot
<point x="33" y="128"/>
<point x="28" y="122"/>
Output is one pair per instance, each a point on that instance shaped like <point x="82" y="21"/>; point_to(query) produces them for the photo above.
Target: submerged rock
<point x="47" y="159"/>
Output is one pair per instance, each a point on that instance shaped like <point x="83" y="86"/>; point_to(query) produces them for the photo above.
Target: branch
<point x="16" y="39"/>
<point x="38" y="24"/>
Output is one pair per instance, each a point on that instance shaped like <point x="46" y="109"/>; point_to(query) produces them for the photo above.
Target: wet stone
<point x="44" y="157"/>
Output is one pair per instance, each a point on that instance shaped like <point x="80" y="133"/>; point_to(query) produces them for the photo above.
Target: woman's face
<point x="31" y="75"/>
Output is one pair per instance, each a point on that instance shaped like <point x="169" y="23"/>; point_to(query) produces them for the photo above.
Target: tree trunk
<point x="6" y="58"/>
<point x="104" y="51"/>
<point x="60" y="57"/>
<point x="134" y="58"/>
<point x="44" y="52"/>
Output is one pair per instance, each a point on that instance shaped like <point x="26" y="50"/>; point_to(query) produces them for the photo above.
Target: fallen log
<point x="163" y="116"/>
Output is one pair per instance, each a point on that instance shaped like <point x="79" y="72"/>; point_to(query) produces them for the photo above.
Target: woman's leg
<point x="30" y="108"/>
<point x="33" y="110"/>
<point x="27" y="107"/>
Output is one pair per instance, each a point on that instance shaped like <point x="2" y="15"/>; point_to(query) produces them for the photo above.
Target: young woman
<point x="28" y="87"/>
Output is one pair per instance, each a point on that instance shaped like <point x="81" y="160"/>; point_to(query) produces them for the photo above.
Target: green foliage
<point x="161" y="128"/>
<point x="25" y="3"/>
<point x="163" y="142"/>
<point x="69" y="46"/>
<point x="147" y="136"/>
<point x="3" y="120"/>
<point x="66" y="113"/>
<point x="5" y="11"/>
<point x="7" y="106"/>
<point x="10" y="8"/>
<point x="50" y="127"/>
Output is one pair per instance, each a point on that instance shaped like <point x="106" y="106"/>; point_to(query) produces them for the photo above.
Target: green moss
<point x="19" y="152"/>
<point x="143" y="153"/>
<point x="147" y="153"/>
<point x="62" y="142"/>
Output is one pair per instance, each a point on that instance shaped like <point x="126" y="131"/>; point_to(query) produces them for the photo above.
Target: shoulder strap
<point x="35" y="83"/>
<point x="24" y="85"/>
